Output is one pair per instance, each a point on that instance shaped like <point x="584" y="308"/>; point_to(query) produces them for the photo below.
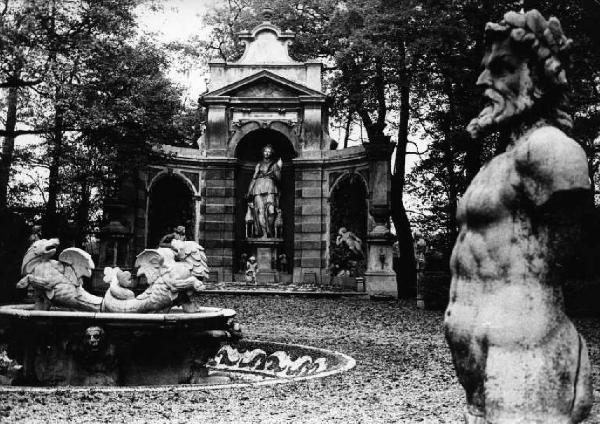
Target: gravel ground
<point x="404" y="372"/>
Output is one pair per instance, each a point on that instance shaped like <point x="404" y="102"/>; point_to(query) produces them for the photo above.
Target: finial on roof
<point x="267" y="13"/>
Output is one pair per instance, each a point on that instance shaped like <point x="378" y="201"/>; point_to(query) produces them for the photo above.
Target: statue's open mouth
<point x="51" y="247"/>
<point x="493" y="98"/>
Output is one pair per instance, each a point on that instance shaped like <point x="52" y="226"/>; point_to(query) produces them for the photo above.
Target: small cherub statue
<point x="251" y="269"/>
<point x="283" y="263"/>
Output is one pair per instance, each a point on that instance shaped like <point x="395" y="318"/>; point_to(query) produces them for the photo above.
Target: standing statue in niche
<point x="263" y="194"/>
<point x="516" y="353"/>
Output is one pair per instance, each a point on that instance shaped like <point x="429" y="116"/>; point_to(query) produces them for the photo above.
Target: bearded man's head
<point x="524" y="72"/>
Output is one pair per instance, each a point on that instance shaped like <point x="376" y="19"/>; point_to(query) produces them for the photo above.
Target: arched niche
<point x="348" y="209"/>
<point x="247" y="142"/>
<point x="248" y="151"/>
<point x="249" y="148"/>
<point x="171" y="204"/>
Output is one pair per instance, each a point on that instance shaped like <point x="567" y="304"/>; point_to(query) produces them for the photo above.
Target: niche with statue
<point x="348" y="231"/>
<point x="265" y="187"/>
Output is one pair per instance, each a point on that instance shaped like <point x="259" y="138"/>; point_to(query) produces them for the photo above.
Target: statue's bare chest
<point x="492" y="193"/>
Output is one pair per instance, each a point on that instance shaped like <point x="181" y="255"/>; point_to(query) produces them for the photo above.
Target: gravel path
<point x="404" y="372"/>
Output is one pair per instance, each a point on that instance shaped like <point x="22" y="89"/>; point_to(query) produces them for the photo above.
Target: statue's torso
<point x="265" y="179"/>
<point x="500" y="263"/>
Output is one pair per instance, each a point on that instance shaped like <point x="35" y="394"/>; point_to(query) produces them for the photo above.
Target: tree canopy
<point x="93" y="91"/>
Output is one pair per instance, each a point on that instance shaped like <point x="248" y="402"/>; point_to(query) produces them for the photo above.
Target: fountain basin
<point x="245" y="363"/>
<point x="60" y="347"/>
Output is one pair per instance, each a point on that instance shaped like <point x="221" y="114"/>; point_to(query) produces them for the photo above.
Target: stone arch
<point x="168" y="173"/>
<point x="349" y="174"/>
<point x="281" y="127"/>
<point x="171" y="202"/>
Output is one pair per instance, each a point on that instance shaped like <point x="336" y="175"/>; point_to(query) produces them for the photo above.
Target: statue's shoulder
<point x="549" y="161"/>
<point x="549" y="143"/>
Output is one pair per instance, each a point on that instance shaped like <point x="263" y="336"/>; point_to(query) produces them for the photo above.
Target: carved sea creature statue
<point x="516" y="353"/>
<point x="58" y="282"/>
<point x="173" y="276"/>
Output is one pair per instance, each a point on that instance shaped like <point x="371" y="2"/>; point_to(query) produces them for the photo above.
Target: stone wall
<point x="309" y="216"/>
<point x="218" y="227"/>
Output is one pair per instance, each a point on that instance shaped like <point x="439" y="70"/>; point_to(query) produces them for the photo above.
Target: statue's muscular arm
<point x="550" y="164"/>
<point x="556" y="188"/>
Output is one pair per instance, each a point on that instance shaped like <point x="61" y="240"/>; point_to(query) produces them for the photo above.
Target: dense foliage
<point x="93" y="92"/>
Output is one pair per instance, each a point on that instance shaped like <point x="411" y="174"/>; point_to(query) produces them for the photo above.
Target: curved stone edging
<point x="329" y="294"/>
<point x="26" y="311"/>
<point x="344" y="363"/>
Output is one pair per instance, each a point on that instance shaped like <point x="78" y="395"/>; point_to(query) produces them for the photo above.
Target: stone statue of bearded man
<point x="516" y="353"/>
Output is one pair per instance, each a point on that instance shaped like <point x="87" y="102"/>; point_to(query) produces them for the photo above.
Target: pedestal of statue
<point x="380" y="277"/>
<point x="266" y="257"/>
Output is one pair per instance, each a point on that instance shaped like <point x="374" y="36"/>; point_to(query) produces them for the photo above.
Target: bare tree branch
<point x="37" y="185"/>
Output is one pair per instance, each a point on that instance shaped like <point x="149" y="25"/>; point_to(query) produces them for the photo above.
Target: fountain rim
<point x="27" y="312"/>
<point x="348" y="364"/>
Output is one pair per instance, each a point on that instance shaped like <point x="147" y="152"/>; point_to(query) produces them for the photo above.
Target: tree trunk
<point x="406" y="273"/>
<point x="348" y="127"/>
<point x="83" y="211"/>
<point x="9" y="145"/>
<point x="50" y="226"/>
<point x="449" y="163"/>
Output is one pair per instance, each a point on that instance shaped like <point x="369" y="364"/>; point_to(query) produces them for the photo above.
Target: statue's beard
<point x="503" y="109"/>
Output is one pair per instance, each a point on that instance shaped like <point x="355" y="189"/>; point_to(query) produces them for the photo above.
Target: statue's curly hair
<point x="549" y="51"/>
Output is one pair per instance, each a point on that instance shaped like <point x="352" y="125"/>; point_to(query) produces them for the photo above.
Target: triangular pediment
<point x="264" y="84"/>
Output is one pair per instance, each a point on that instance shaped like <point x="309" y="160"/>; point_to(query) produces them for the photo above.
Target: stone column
<point x="380" y="277"/>
<point x="146" y="218"/>
<point x="197" y="214"/>
<point x="217" y="129"/>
